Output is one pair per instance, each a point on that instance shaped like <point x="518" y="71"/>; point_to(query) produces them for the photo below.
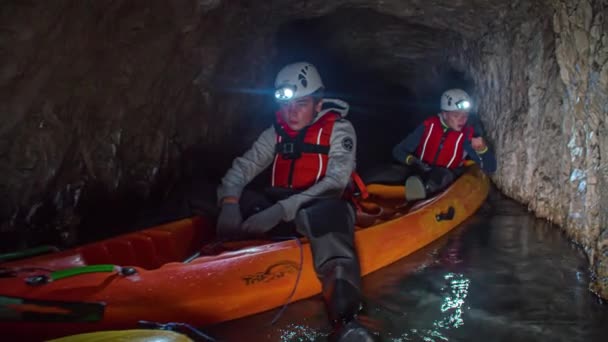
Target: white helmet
<point x="456" y="100"/>
<point x="297" y="80"/>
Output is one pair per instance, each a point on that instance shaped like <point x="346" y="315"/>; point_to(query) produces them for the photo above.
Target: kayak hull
<point x="246" y="278"/>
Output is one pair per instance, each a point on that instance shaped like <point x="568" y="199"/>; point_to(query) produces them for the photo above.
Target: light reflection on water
<point x="453" y="301"/>
<point x="295" y="332"/>
<point x="503" y="276"/>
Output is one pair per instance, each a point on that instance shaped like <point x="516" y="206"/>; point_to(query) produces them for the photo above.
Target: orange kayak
<point x="176" y="273"/>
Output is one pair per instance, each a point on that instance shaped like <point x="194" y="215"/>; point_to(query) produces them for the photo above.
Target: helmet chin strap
<point x="444" y="121"/>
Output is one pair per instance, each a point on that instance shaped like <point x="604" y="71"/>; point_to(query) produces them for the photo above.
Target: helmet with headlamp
<point x="456" y="100"/>
<point x="297" y="80"/>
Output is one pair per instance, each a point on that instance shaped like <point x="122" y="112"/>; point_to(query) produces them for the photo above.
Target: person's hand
<point x="417" y="163"/>
<point x="229" y="221"/>
<point x="264" y="221"/>
<point x="478" y="144"/>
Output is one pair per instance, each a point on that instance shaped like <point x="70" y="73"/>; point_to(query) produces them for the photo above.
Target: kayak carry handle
<point x="28" y="253"/>
<point x="446" y="216"/>
<point x="74" y="271"/>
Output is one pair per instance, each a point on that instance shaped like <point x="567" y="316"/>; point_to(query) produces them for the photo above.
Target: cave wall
<point x="542" y="88"/>
<point x="101" y="100"/>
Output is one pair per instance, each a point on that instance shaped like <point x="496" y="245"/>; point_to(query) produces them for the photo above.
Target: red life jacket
<point x="301" y="156"/>
<point x="439" y="148"/>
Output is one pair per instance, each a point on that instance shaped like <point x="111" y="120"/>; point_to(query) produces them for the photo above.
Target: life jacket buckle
<point x="289" y="151"/>
<point x="288" y="148"/>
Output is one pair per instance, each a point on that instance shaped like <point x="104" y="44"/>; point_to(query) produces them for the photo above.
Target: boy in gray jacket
<point x="311" y="149"/>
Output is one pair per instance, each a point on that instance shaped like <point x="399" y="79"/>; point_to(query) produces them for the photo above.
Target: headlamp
<point x="285" y="93"/>
<point x="463" y="104"/>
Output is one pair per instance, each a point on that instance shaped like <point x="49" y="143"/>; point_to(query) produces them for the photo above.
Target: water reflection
<point x="296" y="332"/>
<point x="452" y="303"/>
<point x="503" y="276"/>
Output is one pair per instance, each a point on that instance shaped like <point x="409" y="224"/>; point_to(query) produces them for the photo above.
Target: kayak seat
<point x="131" y="250"/>
<point x="391" y="174"/>
<point x="95" y="254"/>
<point x="186" y="241"/>
<point x="146" y="254"/>
<point x="121" y="252"/>
<point x="166" y="250"/>
<point x="149" y="248"/>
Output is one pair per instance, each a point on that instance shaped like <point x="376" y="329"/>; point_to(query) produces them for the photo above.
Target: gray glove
<point x="229" y="221"/>
<point x="264" y="221"/>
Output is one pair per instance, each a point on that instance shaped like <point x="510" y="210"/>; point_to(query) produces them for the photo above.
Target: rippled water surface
<point x="502" y="276"/>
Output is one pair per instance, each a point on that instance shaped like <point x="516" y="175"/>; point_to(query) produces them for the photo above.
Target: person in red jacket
<point x="436" y="150"/>
<point x="311" y="150"/>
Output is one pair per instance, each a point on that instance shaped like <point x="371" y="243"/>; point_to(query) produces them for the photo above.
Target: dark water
<point x="501" y="276"/>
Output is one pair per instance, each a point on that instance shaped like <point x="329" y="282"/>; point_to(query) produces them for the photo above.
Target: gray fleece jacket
<point x="340" y="166"/>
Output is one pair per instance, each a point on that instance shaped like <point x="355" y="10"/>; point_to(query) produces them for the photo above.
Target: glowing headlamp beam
<point x="464" y="104"/>
<point x="284" y="94"/>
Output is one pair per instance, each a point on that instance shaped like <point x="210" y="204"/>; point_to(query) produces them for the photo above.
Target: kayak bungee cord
<point x="295" y="286"/>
